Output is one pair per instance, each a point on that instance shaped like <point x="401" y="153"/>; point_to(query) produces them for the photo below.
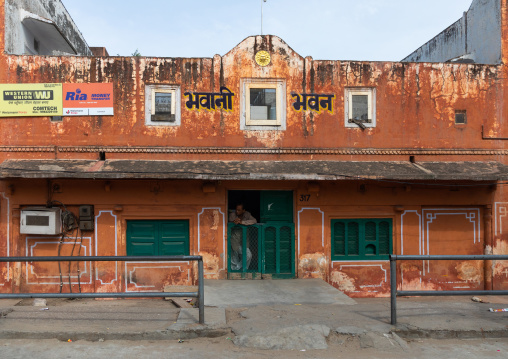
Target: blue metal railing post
<point x="393" y="289"/>
<point x="201" y="292"/>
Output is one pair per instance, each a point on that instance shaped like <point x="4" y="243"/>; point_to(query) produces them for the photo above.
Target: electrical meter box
<point x="86" y="215"/>
<point x="41" y="220"/>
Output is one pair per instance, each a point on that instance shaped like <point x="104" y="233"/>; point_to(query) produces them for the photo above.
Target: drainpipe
<point x="487" y="264"/>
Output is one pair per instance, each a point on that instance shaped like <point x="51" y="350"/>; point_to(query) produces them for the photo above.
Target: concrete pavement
<point x="248" y="293"/>
<point x="306" y="325"/>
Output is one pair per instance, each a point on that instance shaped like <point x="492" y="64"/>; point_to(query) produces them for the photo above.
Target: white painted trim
<point x="364" y="261"/>
<point x="176" y="100"/>
<point x="245" y="84"/>
<point x="116" y="246"/>
<point x="57" y="242"/>
<point x="322" y="225"/>
<point x="456" y="211"/>
<point x="348" y="105"/>
<point x="223" y="234"/>
<point x="56" y="276"/>
<point x="369" y="265"/>
<point x="8" y="233"/>
<point x="498" y="225"/>
<point x="149" y="267"/>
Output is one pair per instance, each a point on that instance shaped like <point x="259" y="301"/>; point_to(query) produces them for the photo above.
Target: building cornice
<point x="263" y="151"/>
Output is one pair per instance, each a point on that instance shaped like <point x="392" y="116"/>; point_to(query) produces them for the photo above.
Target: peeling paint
<point x="470" y="271"/>
<point x="343" y="282"/>
<point x="211" y="265"/>
<point x="313" y="265"/>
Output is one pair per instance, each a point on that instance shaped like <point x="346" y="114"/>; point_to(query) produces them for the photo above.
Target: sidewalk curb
<point x="451" y="334"/>
<point x="186" y="333"/>
<point x="204" y="332"/>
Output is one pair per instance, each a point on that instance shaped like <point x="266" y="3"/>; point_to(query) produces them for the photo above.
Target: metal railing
<point x="394" y="293"/>
<point x="199" y="295"/>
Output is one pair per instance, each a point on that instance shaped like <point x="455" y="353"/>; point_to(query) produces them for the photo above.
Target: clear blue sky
<point x="324" y="29"/>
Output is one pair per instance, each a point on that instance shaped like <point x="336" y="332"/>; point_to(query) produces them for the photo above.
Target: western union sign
<point x="30" y="100"/>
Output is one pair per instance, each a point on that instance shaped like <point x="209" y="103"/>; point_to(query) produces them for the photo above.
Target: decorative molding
<point x="472" y="214"/>
<point x="223" y="233"/>
<point x="369" y="265"/>
<point x="72" y="241"/>
<point x="281" y="151"/>
<point x="116" y="247"/>
<point x="28" y="149"/>
<point x="129" y="277"/>
<point x="499" y="213"/>
<point x="267" y="151"/>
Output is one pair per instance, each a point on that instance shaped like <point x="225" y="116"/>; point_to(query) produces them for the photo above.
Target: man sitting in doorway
<point x="239" y="216"/>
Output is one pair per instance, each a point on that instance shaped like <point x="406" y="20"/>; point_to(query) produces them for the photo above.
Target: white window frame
<point x="280" y="95"/>
<point x="175" y="92"/>
<point x="348" y="106"/>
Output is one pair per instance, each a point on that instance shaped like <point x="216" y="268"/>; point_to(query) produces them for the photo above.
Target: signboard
<point x="88" y="99"/>
<point x="30" y="100"/>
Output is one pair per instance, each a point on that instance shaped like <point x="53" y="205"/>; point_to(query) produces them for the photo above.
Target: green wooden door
<point x="279" y="249"/>
<point x="142" y="238"/>
<point x="157" y="238"/>
<point x="276" y="206"/>
<point x="278" y="233"/>
<point x="174" y="238"/>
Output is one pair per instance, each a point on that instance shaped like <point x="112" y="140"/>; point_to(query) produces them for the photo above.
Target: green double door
<point x="271" y="242"/>
<point x="157" y="238"/>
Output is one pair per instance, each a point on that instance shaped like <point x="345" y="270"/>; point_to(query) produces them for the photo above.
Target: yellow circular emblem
<point x="263" y="58"/>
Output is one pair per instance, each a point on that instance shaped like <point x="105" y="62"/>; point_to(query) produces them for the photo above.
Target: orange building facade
<point x="413" y="177"/>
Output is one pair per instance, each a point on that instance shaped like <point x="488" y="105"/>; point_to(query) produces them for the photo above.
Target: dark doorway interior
<point x="250" y="199"/>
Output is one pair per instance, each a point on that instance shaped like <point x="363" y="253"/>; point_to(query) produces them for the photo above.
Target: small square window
<point x="163" y="108"/>
<point x="360" y="107"/>
<point x="162" y="105"/>
<point x="460" y="117"/>
<point x="263" y="105"/>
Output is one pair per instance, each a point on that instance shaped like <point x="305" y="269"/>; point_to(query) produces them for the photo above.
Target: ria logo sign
<point x="76" y="96"/>
<point x="88" y="99"/>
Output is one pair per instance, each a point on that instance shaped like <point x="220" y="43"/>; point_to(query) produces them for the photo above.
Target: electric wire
<point x="59" y="264"/>
<point x="79" y="254"/>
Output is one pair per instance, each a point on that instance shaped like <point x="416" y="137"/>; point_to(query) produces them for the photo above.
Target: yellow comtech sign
<point x="30" y="100"/>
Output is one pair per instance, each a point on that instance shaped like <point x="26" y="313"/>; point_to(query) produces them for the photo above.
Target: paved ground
<point x="246" y="293"/>
<point x="318" y="322"/>
<point x="223" y="348"/>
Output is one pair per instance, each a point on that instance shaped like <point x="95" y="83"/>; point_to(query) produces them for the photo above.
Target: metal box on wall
<point x="41" y="220"/>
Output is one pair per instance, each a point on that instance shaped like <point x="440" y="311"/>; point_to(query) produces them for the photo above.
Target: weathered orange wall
<point x="457" y="229"/>
<point x="415" y="104"/>
<point x="415" y="116"/>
